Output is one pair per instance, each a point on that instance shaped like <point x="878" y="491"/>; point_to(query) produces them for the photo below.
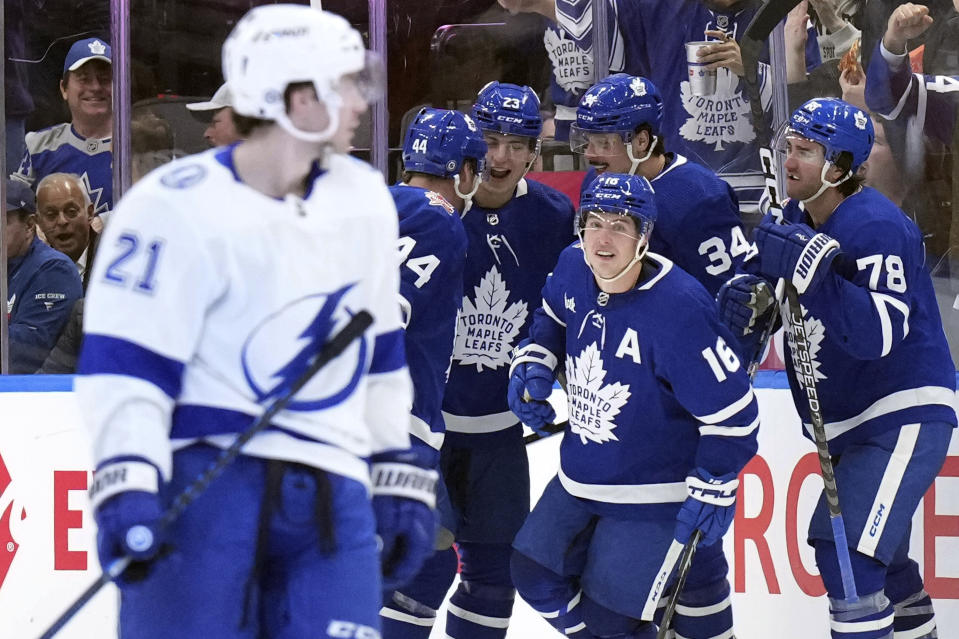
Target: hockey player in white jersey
<point x="884" y="378"/>
<point x="219" y="279"/>
<point x="619" y="129"/>
<point x="662" y="417"/>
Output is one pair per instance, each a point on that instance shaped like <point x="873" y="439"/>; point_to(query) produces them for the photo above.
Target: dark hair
<point x="20" y="214"/>
<point x="409" y="175"/>
<point x="246" y="124"/>
<point x="659" y="148"/>
<point x="850" y="186"/>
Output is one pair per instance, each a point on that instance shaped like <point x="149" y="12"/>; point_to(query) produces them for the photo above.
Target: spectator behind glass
<point x="151" y="141"/>
<point x="65" y="215"/>
<point x="42" y="284"/>
<point x="218" y="113"/>
<point x="18" y="103"/>
<point x="81" y="146"/>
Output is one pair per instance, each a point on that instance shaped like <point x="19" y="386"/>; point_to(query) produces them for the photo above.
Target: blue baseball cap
<point x="20" y="197"/>
<point x="83" y="51"/>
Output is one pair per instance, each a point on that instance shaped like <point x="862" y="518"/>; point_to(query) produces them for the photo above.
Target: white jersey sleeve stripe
<point x="551" y="314"/>
<point x="730" y="410"/>
<point x="882" y="302"/>
<point x="105" y="355"/>
<point x="730" y="431"/>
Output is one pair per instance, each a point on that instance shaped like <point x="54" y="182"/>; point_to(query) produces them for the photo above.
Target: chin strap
<point x="825" y="184"/>
<point x="639" y="255"/>
<point x="634" y="162"/>
<point x="466" y="197"/>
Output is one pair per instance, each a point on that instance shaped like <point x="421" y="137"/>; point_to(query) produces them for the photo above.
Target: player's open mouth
<point x="599" y="166"/>
<point x="606" y="255"/>
<point x="499" y="174"/>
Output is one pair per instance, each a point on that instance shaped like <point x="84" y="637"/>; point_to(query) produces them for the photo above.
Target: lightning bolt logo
<point x="273" y="360"/>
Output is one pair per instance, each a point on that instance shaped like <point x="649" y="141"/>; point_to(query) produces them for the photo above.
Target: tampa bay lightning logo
<point x="282" y="347"/>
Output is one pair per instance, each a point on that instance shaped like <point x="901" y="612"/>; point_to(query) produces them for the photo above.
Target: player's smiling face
<point x="606" y="152"/>
<point x="506" y="161"/>
<point x="804" y="162"/>
<point x="610" y="241"/>
<point x="89" y="90"/>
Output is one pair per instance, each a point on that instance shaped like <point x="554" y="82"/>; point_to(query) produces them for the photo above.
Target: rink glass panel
<point x="437" y="53"/>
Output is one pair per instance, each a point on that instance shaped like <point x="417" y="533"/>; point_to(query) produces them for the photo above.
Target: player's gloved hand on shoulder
<point x="744" y="301"/>
<point x="127" y="508"/>
<point x="404" y="502"/>
<point x="710" y="507"/>
<point x="795" y="252"/>
<point x="531" y="380"/>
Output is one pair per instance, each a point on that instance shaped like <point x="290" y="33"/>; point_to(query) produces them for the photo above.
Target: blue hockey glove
<point x="710" y="507"/>
<point x="795" y="252"/>
<point x="404" y="501"/>
<point x="744" y="301"/>
<point x="127" y="508"/>
<point x="530" y="385"/>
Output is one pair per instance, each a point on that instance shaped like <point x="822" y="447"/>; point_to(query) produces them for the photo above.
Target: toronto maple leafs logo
<point x="572" y="67"/>
<point x="860" y="120"/>
<point x="590" y="99"/>
<point x="97" y="48"/>
<point x="593" y="405"/>
<point x="721" y="119"/>
<point x="283" y="346"/>
<point x="638" y="86"/>
<point x="488" y="325"/>
<point x="815" y="332"/>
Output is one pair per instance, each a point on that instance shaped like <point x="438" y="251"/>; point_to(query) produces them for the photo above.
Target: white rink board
<point x="48" y="557"/>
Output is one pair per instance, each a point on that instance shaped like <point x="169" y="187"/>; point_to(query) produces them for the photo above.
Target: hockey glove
<point x="743" y="302"/>
<point x="404" y="499"/>
<point x="795" y="252"/>
<point x="530" y="385"/>
<point x="127" y="508"/>
<point x="710" y="507"/>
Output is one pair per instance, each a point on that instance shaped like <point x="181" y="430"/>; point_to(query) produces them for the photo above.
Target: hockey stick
<point x="805" y="373"/>
<point x="545" y="431"/>
<point x="336" y="345"/>
<point x="685" y="561"/>
<point x="758" y="31"/>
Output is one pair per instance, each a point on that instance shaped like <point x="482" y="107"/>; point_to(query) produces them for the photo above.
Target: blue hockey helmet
<point x="439" y="141"/>
<point x="508" y="108"/>
<point x="619" y="104"/>
<point x="621" y="194"/>
<point x="838" y="126"/>
<point x="618" y="194"/>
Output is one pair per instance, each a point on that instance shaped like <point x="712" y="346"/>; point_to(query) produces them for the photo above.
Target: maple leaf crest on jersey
<point x="487" y="326"/>
<point x="593" y="405"/>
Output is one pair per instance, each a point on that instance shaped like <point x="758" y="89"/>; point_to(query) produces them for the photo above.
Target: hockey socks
<point x="551" y="595"/>
<point x="705" y="613"/>
<point x="869" y="618"/>
<point x="915" y="618"/>
<point x="410" y="613"/>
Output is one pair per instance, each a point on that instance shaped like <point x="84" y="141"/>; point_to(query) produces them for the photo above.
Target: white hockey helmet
<point x="273" y="46"/>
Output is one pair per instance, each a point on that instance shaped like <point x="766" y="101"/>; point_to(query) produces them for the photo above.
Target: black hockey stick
<point x="762" y="24"/>
<point x="685" y="561"/>
<point x="545" y="431"/>
<point x="806" y="375"/>
<point x="336" y="345"/>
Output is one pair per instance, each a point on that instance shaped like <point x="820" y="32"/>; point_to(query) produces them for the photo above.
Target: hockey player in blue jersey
<point x="619" y="128"/>
<point x="893" y="91"/>
<point x="443" y="160"/>
<point x="662" y="417"/>
<point x="885" y="380"/>
<point x="265" y="249"/>
<point x="82" y="146"/>
<point x="515" y="229"/>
